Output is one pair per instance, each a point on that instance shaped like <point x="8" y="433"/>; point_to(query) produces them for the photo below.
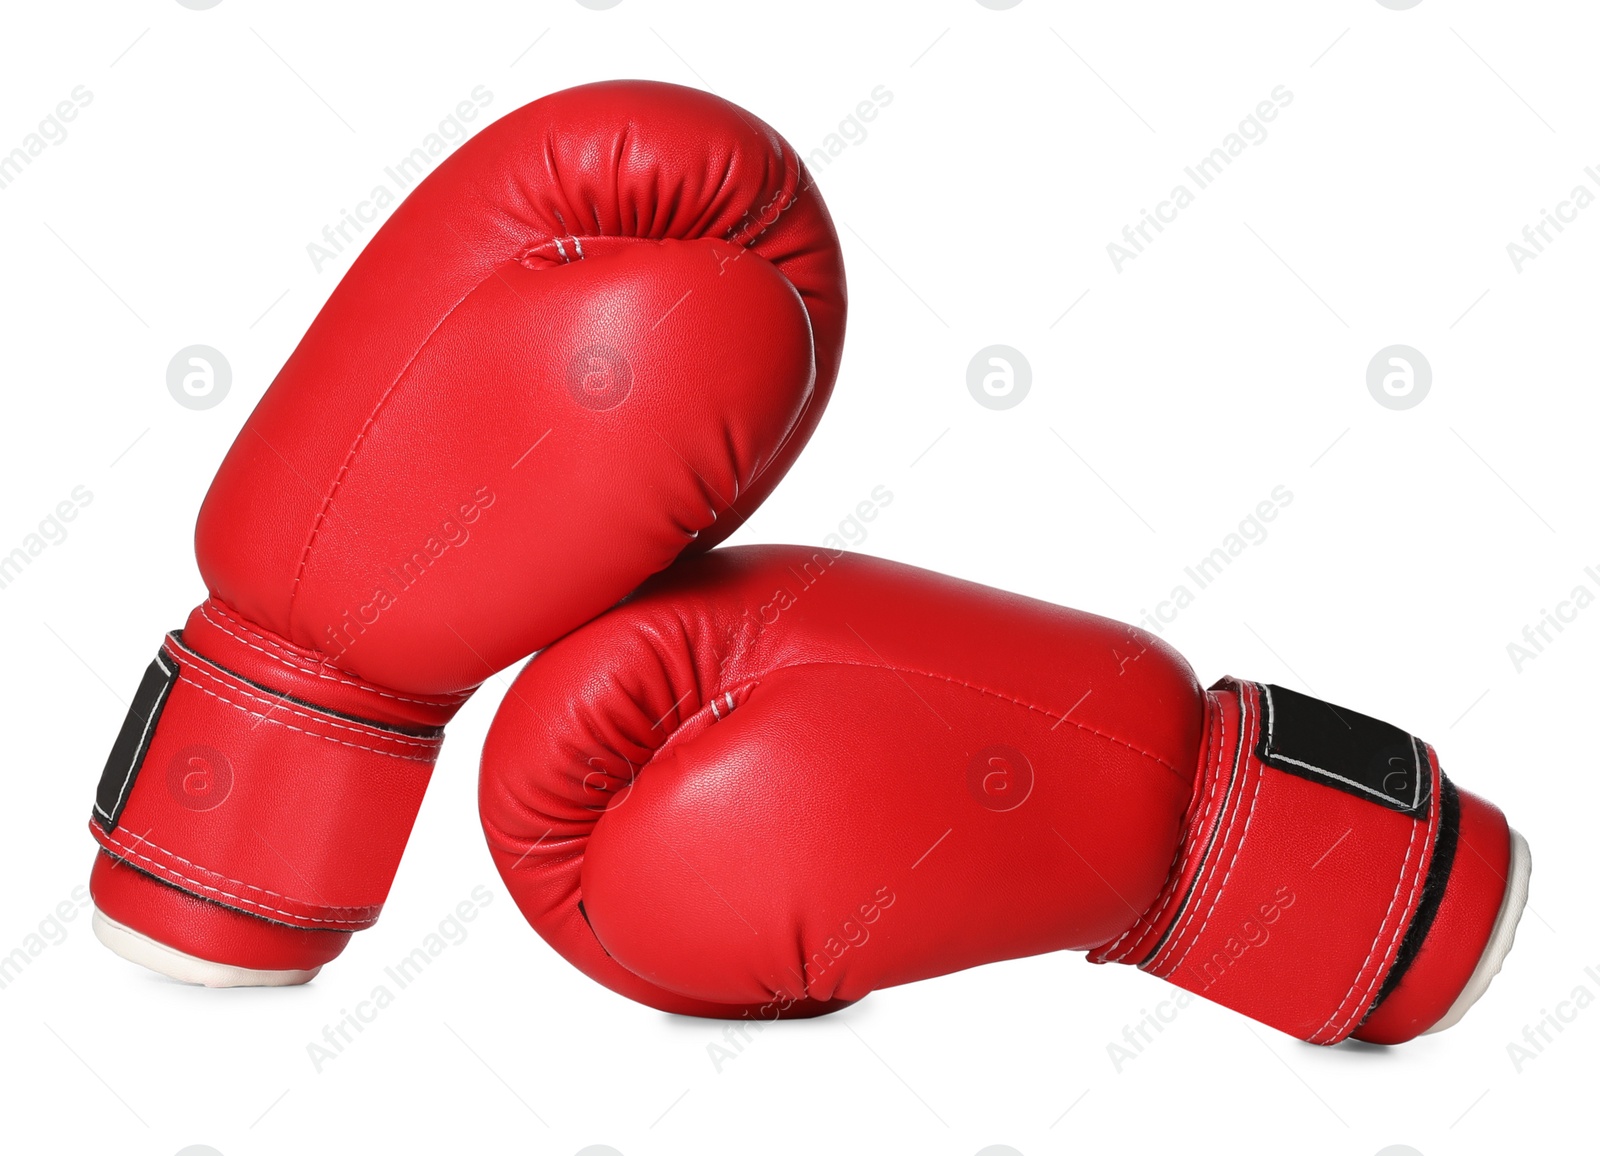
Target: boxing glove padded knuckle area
<point x="637" y="278"/>
<point x="823" y="808"/>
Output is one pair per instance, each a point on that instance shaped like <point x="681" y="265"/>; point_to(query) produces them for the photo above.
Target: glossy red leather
<point x="594" y="338"/>
<point x="778" y="778"/>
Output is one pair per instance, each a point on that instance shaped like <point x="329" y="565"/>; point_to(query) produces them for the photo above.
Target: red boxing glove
<point x="596" y="336"/>
<point x="778" y="778"/>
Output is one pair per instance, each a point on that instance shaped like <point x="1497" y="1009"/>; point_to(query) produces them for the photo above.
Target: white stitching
<point x="1348" y="1018"/>
<point x="1250" y="813"/>
<point x="1227" y="819"/>
<point x="118" y="845"/>
<point x="361" y="437"/>
<point x="197" y="662"/>
<point x="183" y="677"/>
<point x="278" y="703"/>
<point x="112" y="837"/>
<point x="982" y="690"/>
<point x="353" y="684"/>
<point x="1394" y="939"/>
<point x="1372" y="951"/>
<point x="1362" y="787"/>
<point x="1151" y="922"/>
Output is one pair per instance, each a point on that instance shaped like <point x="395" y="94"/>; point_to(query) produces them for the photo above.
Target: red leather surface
<point x="831" y="834"/>
<point x="776" y="778"/>
<point x="594" y="337"/>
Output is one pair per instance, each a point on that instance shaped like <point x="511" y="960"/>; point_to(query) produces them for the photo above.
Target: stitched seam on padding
<point x="757" y="677"/>
<point x="115" y="843"/>
<point x="1249" y="731"/>
<point x="1148" y="922"/>
<point x="355" y="446"/>
<point x="186" y="673"/>
<point x="981" y="690"/>
<point x="306" y="665"/>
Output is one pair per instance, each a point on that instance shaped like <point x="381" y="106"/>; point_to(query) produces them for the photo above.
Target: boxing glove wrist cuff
<point x="241" y="790"/>
<point x="1328" y="872"/>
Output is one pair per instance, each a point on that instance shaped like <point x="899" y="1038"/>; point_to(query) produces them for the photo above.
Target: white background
<point x="1168" y="399"/>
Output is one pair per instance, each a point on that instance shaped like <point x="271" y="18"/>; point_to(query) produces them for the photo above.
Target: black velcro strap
<point x="1350" y="752"/>
<point x="133" y="740"/>
<point x="1444" y="857"/>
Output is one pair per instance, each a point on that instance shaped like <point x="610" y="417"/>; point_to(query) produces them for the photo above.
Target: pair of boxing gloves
<point x="773" y="778"/>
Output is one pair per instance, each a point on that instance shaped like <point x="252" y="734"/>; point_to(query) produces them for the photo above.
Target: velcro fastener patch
<point x="1350" y="752"/>
<point x="133" y="740"/>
